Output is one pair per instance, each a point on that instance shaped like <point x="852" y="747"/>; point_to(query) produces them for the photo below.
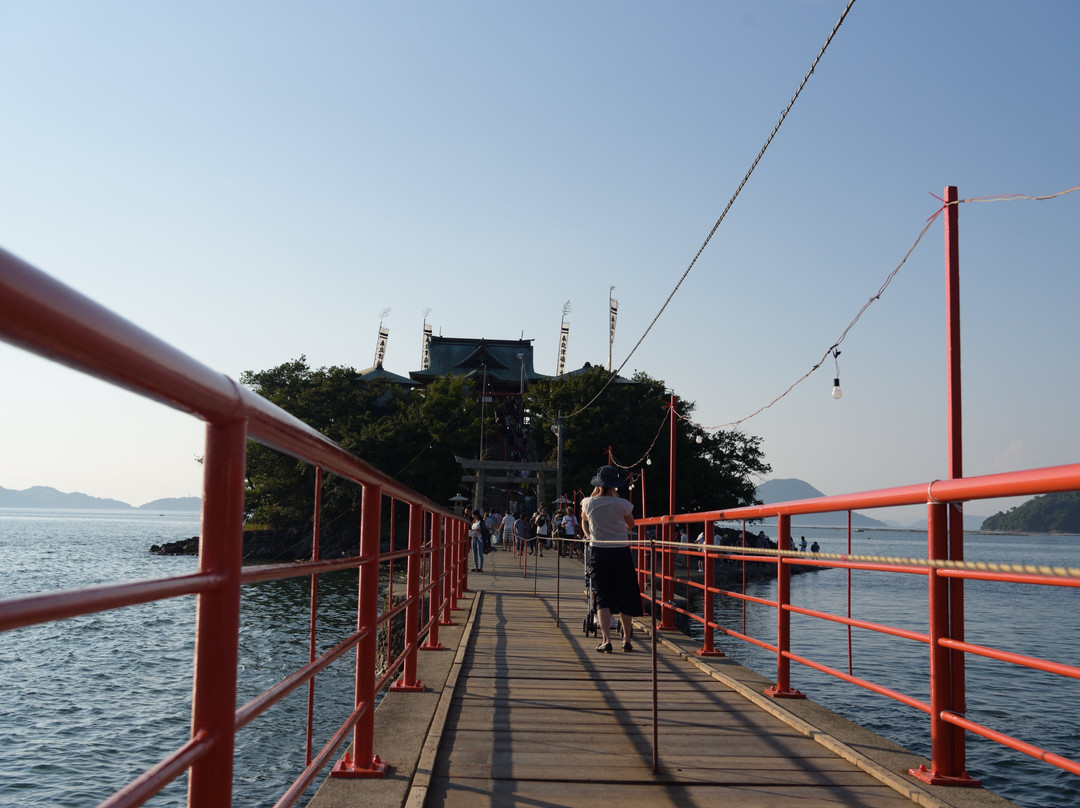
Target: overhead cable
<point x="727" y="208"/>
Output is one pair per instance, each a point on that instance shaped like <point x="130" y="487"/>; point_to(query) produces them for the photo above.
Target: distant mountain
<point x="789" y="490"/>
<point x="41" y="496"/>
<point x="173" y="504"/>
<point x="1050" y="513"/>
<point x="971" y="523"/>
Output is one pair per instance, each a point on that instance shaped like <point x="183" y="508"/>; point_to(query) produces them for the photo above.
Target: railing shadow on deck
<point x="43" y="316"/>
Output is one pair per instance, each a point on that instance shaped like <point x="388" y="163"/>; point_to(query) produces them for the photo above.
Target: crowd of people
<point x="520" y="533"/>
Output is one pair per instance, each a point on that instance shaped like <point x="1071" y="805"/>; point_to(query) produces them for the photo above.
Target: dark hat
<point x="607" y="477"/>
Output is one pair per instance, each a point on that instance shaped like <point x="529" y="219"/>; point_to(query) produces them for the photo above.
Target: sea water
<point x="1038" y="621"/>
<point x="88" y="704"/>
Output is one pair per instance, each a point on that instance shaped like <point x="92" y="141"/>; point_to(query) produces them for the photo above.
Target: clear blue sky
<point x="253" y="181"/>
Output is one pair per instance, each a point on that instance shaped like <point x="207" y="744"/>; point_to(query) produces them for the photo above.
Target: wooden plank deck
<point x="532" y="715"/>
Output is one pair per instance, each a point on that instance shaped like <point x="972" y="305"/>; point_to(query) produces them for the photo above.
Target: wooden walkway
<point x="532" y="715"/>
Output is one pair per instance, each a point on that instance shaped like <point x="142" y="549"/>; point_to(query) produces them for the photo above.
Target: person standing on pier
<point x="521" y="534"/>
<point x="476" y="533"/>
<point x="507" y="530"/>
<point x="606" y="521"/>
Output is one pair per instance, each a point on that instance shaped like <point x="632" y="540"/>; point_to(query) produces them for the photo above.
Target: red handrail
<point x="943" y="636"/>
<point x="45" y="317"/>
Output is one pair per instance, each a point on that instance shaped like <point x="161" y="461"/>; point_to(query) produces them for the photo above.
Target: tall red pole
<point x="946" y="540"/>
<point x="952" y="304"/>
<point x="671" y="459"/>
<point x="667" y="614"/>
<point x="956" y="466"/>
<point x="316" y="530"/>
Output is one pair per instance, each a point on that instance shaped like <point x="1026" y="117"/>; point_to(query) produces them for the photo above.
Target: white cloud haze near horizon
<point x="252" y="182"/>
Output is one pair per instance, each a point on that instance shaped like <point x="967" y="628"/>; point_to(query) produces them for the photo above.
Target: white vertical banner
<point x="425" y="354"/>
<point x="380" y="348"/>
<point x="564" y="338"/>
<point x="613" y="313"/>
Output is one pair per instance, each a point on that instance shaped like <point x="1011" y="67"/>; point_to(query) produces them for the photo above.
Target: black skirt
<point x="614" y="580"/>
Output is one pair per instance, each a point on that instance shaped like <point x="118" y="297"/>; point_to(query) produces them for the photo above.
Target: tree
<point x="1050" y="513"/>
<point x="633" y="420"/>
<point x="412" y="436"/>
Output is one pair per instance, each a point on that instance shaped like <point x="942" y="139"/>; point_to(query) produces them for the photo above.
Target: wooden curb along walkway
<point x="532" y="715"/>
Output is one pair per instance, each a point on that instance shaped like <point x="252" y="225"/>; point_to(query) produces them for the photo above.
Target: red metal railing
<point x="941" y="567"/>
<point x="43" y="316"/>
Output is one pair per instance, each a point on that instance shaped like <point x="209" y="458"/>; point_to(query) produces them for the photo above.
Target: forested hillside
<point x="1050" y="513"/>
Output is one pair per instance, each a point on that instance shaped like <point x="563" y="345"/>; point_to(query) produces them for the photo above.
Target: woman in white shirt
<point x="606" y="520"/>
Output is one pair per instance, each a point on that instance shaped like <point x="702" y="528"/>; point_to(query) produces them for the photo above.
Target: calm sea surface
<point x="88" y="704"/>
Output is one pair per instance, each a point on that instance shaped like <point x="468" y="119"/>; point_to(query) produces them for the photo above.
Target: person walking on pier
<point x="606" y="520"/>
<point x="507" y="530"/>
<point x="521" y="533"/>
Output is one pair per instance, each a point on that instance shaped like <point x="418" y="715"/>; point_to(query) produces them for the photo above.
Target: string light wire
<point x="881" y="290"/>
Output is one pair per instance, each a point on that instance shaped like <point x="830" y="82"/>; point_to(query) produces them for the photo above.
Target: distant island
<point x="791" y="490"/>
<point x="1050" y="513"/>
<point x="44" y="497"/>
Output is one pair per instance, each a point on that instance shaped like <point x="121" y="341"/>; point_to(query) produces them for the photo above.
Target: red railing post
<point x="707" y="648"/>
<point x="782" y="688"/>
<point x="408" y="681"/>
<point x="361" y="761"/>
<point x="313" y="613"/>
<point x="448" y="600"/>
<point x="217" y="614"/>
<point x="435" y="595"/>
<point x="943" y="735"/>
<point x="454" y="565"/>
<point x="667" y="576"/>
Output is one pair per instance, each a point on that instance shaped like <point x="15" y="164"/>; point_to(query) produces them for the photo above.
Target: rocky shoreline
<point x="288" y="544"/>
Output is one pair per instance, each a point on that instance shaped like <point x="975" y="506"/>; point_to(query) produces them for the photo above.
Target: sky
<point x="256" y="181"/>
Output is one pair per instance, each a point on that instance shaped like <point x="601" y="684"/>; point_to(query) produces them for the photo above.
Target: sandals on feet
<point x="604" y="647"/>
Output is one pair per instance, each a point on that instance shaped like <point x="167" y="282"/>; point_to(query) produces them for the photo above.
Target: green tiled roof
<point x="505" y="361"/>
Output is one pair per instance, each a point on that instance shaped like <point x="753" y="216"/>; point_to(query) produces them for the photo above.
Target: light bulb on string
<point x="698" y="439"/>
<point x="648" y="461"/>
<point x="836" y="391"/>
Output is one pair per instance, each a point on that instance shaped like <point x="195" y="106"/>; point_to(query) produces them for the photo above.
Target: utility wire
<point x="727" y="208"/>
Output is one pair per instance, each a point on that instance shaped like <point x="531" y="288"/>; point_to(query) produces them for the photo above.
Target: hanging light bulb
<point x="836" y="391"/>
<point x="648" y="461"/>
<point x="698" y="439"/>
